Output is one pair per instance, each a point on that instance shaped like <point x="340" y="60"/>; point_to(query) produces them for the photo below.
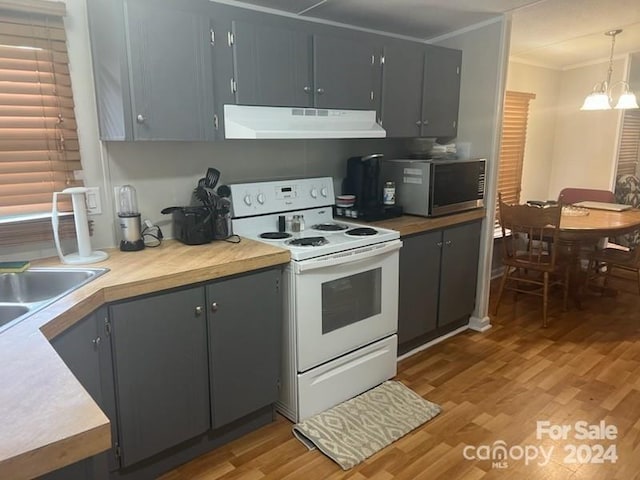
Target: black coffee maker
<point x="363" y="180"/>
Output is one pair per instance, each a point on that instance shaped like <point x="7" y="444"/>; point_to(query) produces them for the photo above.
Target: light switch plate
<point x="94" y="206"/>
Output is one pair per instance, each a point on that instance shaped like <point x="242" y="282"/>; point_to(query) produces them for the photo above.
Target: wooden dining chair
<point x="528" y="260"/>
<point x="604" y="262"/>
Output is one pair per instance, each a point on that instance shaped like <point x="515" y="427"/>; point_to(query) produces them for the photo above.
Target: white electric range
<point x="340" y="293"/>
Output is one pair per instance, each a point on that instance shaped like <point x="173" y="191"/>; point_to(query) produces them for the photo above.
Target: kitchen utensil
<point x="84" y="254"/>
<point x="129" y="219"/>
<point x="224" y="191"/>
<point x="212" y="177"/>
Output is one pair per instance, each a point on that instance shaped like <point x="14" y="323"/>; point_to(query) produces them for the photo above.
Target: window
<point x="514" y="135"/>
<point x="629" y="150"/>
<point x="39" y="151"/>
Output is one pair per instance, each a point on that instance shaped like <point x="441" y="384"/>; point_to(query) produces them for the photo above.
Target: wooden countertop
<point x="411" y="224"/>
<point x="47" y="419"/>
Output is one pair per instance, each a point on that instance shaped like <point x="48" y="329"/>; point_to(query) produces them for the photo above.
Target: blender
<point x="129" y="218"/>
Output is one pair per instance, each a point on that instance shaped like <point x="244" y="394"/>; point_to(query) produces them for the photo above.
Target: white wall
<point x="484" y="61"/>
<point x="541" y="128"/>
<point x="585" y="144"/>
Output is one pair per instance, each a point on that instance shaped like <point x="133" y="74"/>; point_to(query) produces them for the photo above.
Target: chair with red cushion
<point x="571" y="195"/>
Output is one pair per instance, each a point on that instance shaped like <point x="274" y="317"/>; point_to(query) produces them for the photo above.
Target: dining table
<point x="580" y="228"/>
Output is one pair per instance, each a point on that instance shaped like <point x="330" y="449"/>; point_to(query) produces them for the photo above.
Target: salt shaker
<point x="295" y="224"/>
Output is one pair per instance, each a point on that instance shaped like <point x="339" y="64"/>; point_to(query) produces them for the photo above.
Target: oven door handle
<point x="349" y="256"/>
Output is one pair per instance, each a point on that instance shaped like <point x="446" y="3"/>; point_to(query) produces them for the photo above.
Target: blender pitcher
<point x="129" y="219"/>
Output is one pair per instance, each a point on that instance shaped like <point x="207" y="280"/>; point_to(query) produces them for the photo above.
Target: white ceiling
<point x="554" y="33"/>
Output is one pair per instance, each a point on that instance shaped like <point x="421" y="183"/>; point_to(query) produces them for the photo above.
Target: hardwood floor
<point x="492" y="386"/>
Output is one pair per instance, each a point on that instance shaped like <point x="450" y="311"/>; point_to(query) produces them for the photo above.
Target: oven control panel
<point x="261" y="198"/>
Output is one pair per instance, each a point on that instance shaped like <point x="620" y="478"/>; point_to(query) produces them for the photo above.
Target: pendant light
<point x="600" y="97"/>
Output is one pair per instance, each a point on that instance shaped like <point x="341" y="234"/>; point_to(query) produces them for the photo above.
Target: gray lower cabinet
<point x="418" y="287"/>
<point x="170" y="369"/>
<point x="245" y="331"/>
<point x="160" y="357"/>
<point x="459" y="272"/>
<point x="420" y="90"/>
<point x="438" y="274"/>
<point x="86" y="351"/>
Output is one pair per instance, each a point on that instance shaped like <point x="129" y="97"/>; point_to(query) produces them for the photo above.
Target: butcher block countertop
<point x="411" y="224"/>
<point x="47" y="419"/>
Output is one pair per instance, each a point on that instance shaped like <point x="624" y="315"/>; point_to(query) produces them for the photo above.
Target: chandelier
<point x="600" y="98"/>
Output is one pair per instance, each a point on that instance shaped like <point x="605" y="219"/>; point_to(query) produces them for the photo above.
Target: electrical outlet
<point x="94" y="206"/>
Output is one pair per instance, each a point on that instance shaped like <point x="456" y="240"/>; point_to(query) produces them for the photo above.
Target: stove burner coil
<point x="308" y="242"/>
<point x="361" y="232"/>
<point x="275" y="235"/>
<point x="329" y="227"/>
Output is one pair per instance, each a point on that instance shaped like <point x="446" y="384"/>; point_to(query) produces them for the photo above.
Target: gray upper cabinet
<point x="402" y="89"/>
<point x="170" y="71"/>
<point x="164" y="70"/>
<point x="160" y="356"/>
<point x="441" y="92"/>
<point x="245" y="342"/>
<point x="272" y="65"/>
<point x="420" y="90"/>
<point x="344" y="72"/>
<point x="153" y="68"/>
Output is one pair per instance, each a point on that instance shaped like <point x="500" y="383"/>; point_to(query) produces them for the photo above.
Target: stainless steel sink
<point x="22" y="294"/>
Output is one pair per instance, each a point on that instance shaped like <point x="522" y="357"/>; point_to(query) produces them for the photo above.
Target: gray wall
<point x="484" y="62"/>
<point x="165" y="173"/>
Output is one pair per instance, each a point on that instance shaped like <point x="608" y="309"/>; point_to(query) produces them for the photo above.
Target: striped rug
<point x="356" y="429"/>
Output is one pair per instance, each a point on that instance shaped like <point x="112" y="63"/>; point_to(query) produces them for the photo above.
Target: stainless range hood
<point x="241" y="121"/>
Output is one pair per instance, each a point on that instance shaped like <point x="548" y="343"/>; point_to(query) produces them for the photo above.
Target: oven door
<point x="344" y="301"/>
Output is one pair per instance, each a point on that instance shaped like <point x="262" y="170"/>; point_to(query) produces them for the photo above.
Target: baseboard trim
<point x="433" y="342"/>
<point x="480" y="324"/>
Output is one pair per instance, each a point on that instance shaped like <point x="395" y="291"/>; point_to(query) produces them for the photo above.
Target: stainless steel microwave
<point x="436" y="187"/>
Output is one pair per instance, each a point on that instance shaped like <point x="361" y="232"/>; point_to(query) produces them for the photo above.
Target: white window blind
<point x="629" y="148"/>
<point x="513" y="139"/>
<point x="39" y="150"/>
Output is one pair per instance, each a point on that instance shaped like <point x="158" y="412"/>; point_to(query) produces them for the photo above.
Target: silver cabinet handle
<point x="214" y="307"/>
<point x="307" y="89"/>
<point x="425" y="122"/>
<point x="448" y="243"/>
<point x="418" y="123"/>
<point x="320" y="91"/>
<point x="96" y="341"/>
<point x="140" y="118"/>
<point x="198" y="311"/>
<point x="438" y="244"/>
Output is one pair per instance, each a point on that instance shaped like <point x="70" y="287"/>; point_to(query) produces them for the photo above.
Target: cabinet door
<point x="170" y="71"/>
<point x="419" y="277"/>
<point x="402" y="90"/>
<point x="160" y="358"/>
<point x="245" y="325"/>
<point x="460" y="252"/>
<point x="272" y="66"/>
<point x="441" y="95"/>
<point x="344" y="73"/>
<point x="85" y="349"/>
